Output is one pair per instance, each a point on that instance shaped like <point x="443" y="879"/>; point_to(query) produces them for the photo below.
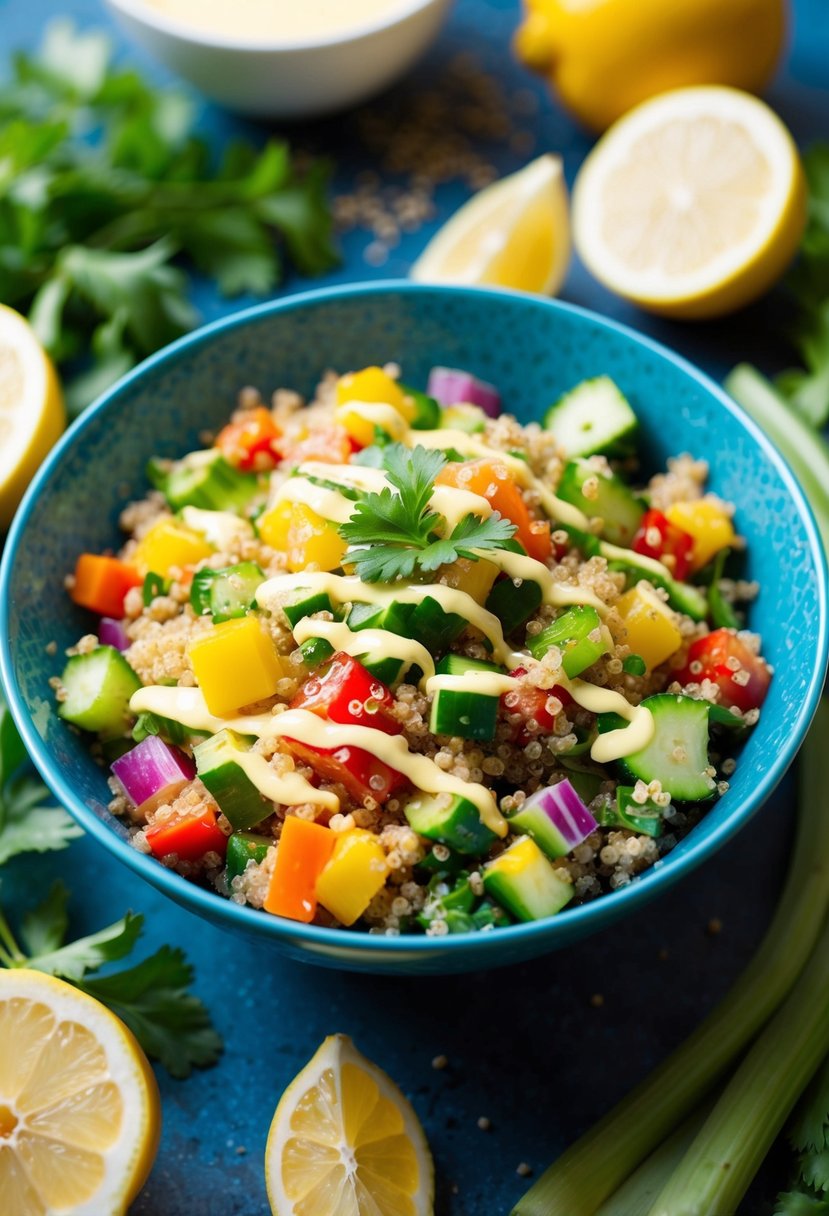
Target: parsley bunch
<point x="394" y="533"/>
<point x="103" y="184"/>
<point x="809" y="1137"/>
<point x="152" y="997"/>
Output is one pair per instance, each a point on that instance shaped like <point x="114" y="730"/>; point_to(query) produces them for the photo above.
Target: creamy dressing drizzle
<point x="387" y="417"/>
<point x="379" y="642"/>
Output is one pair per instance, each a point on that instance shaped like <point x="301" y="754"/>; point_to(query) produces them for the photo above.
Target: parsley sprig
<point x="809" y="1137"/>
<point x="394" y="533"/>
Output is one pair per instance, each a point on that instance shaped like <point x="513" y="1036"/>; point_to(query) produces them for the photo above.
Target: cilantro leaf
<point x="73" y="961"/>
<point x="814" y="1169"/>
<point x="393" y="534"/>
<point x="798" y="1203"/>
<point x="809" y="1132"/>
<point x="171" y="1024"/>
<point x="43" y="929"/>
<point x="26" y="826"/>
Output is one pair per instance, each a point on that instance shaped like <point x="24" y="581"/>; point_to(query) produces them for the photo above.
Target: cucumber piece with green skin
<point x="394" y="617"/>
<point x="677" y="755"/>
<point x="427" y="410"/>
<point x="513" y="605"/>
<point x="467" y="715"/>
<point x="450" y="819"/>
<point x="204" y="479"/>
<point x="618" y="507"/>
<point x="572" y="633"/>
<point x="525" y="883"/>
<point x="643" y="817"/>
<point x="98" y="688"/>
<point x="316" y="651"/>
<point x="447" y="867"/>
<point x="243" y="847"/>
<point x="594" y="417"/>
<point x="228" y="593"/>
<point x="684" y="597"/>
<point x="217" y="765"/>
<point x="307" y="606"/>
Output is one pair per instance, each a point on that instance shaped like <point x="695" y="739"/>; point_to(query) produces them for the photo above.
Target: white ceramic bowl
<point x="291" y="79"/>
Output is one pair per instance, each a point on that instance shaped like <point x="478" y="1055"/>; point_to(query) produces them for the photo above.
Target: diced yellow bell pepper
<point x="169" y="544"/>
<point x="474" y="578"/>
<point x="360" y="418"/>
<point x="708" y="523"/>
<point x="306" y="538"/>
<point x="372" y="384"/>
<point x="235" y="664"/>
<point x="651" y="625"/>
<point x="356" y="872"/>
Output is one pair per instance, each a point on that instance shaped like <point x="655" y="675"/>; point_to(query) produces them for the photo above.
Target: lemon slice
<point x="31" y="409"/>
<point x="515" y="233"/>
<point x="79" y="1108"/>
<point x="345" y="1142"/>
<point x="692" y="204"/>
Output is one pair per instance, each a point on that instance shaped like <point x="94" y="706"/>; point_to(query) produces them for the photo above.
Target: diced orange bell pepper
<point x="189" y="837"/>
<point x="252" y="442"/>
<point x="303" y="852"/>
<point x="101" y="583"/>
<point x="491" y="479"/>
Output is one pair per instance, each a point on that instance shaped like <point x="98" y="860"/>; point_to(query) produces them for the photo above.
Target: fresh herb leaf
<point x="814" y="1168"/>
<point x="43" y="929"/>
<point x="27" y="826"/>
<point x="73" y="961"/>
<point x="171" y="1024"/>
<point x="394" y="532"/>
<point x="809" y="1132"/>
<point x="798" y="1203"/>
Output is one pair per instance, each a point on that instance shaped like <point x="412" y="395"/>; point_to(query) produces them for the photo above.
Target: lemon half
<point x="79" y="1106"/>
<point x="515" y="233"/>
<point x="345" y="1142"/>
<point x="32" y="415"/>
<point x="693" y="204"/>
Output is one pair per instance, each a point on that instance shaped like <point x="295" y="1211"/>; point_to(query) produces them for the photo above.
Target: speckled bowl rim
<point x="485" y="948"/>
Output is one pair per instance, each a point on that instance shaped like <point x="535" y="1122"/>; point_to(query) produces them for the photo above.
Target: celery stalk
<point x="800" y="444"/>
<point x="595" y="1166"/>
<point x="715" y="1173"/>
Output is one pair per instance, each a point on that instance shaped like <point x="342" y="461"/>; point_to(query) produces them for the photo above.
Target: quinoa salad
<point x="390" y="660"/>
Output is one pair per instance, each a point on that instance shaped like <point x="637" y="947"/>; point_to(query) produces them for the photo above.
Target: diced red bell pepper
<point x="252" y="442"/>
<point x="723" y="658"/>
<point x="345" y="692"/>
<point x="658" y="538"/>
<point x="330" y="445"/>
<point x="362" y="774"/>
<point x="190" y="837"/>
<point x="529" y="704"/>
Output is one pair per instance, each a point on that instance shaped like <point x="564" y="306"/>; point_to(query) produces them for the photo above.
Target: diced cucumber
<point x="447" y="866"/>
<point x="594" y="417"/>
<point x="513" y="604"/>
<point x="237" y="796"/>
<point x="316" y="651"/>
<point x="524" y="881"/>
<point x="618" y="507"/>
<point x="468" y="715"/>
<point x="166" y="728"/>
<point x="434" y="628"/>
<point x="243" y="847"/>
<point x="427" y="409"/>
<point x="443" y="900"/>
<point x="227" y="593"/>
<point x="307" y="606"/>
<point x="469" y="418"/>
<point x="449" y="819"/>
<point x="394" y="617"/>
<point x="98" y="687"/>
<point x="677" y="755"/>
<point x="684" y="597"/>
<point x="579" y="635"/>
<point x="642" y="817"/>
<point x="204" y="479"/>
<point x="384" y="668"/>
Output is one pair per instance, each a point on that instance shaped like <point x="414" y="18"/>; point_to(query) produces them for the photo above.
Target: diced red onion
<point x="451" y="386"/>
<point x="153" y="772"/>
<point x="566" y="811"/>
<point x="112" y="633"/>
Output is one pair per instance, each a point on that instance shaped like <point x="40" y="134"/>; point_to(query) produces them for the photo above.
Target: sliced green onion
<point x="593" y="1168"/>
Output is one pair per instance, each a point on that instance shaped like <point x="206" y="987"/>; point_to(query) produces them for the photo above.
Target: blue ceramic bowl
<point x="533" y="349"/>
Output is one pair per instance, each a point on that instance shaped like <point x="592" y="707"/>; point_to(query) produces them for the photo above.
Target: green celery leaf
<point x="43" y="930"/>
<point x="152" y="998"/>
<point x="74" y="960"/>
<point x="26" y="826"/>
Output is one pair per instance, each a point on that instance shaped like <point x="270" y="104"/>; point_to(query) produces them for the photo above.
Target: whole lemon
<point x="605" y="56"/>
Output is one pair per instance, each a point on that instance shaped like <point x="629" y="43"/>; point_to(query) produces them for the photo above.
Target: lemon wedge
<point x="345" y="1142"/>
<point x="692" y="204"/>
<point x="79" y="1107"/>
<point x="514" y="233"/>
<point x="31" y="409"/>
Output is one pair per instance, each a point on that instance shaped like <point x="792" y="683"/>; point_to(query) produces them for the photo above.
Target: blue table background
<point x="528" y="1047"/>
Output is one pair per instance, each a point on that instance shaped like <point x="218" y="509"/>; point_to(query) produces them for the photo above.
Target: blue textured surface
<point x="527" y="1048"/>
<point x="543" y="348"/>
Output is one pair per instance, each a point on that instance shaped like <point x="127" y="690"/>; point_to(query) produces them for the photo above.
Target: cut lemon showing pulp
<point x="345" y="1142"/>
<point x="79" y="1108"/>
<point x="515" y="233"/>
<point x="31" y="409"/>
<point x="692" y="204"/>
